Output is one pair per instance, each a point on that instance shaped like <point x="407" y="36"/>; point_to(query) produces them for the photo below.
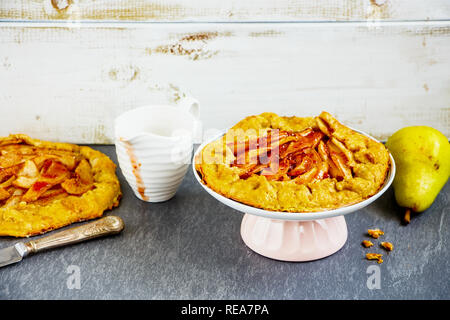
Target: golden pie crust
<point x="294" y="164"/>
<point x="47" y="185"/>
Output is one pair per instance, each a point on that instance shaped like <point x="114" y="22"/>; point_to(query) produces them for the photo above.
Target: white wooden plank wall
<point x="225" y="10"/>
<point x="66" y="80"/>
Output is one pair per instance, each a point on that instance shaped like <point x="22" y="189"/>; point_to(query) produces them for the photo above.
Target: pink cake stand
<point x="292" y="236"/>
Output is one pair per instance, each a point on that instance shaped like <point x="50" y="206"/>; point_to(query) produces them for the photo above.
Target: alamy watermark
<point x="374" y="279"/>
<point x="74" y="278"/>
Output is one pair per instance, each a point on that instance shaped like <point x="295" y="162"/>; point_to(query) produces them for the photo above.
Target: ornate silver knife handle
<point x="102" y="227"/>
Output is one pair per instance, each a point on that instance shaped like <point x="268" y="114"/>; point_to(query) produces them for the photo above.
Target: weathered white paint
<point x="225" y="10"/>
<point x="68" y="82"/>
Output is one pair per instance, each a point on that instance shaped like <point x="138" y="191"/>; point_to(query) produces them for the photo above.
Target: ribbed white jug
<point x="154" y="147"/>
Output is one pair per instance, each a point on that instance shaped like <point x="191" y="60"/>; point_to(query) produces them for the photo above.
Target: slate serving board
<point x="190" y="248"/>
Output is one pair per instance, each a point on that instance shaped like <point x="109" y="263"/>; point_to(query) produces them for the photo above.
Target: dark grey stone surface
<point x="190" y="248"/>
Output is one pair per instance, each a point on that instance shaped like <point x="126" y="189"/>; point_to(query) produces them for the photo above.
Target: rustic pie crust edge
<point x="83" y="184"/>
<point x="319" y="163"/>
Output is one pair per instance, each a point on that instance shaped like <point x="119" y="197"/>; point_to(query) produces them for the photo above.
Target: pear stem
<point x="407" y="217"/>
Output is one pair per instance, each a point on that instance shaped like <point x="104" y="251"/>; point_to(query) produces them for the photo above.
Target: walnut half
<point x="374" y="256"/>
<point x="375" y="233"/>
<point x="387" y="246"/>
<point x="367" y="243"/>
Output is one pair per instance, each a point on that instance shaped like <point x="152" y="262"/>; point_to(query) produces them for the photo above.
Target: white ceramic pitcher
<point x="154" y="147"/>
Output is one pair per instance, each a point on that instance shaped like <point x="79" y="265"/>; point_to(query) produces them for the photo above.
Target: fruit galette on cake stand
<point x="294" y="178"/>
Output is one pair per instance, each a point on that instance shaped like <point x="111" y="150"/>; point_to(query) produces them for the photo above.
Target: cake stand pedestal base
<point x="294" y="240"/>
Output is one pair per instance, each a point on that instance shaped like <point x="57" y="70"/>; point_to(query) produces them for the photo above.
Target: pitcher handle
<point x="192" y="106"/>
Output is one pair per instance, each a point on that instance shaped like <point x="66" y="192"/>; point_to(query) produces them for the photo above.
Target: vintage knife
<point x="102" y="227"/>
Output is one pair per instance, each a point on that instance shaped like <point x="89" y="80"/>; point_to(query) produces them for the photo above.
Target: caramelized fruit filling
<point x="38" y="175"/>
<point x="303" y="156"/>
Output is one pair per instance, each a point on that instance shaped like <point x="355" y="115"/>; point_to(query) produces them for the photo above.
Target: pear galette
<point x="294" y="164"/>
<point x="46" y="185"/>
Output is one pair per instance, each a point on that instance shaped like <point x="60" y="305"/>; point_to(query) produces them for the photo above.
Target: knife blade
<point x="102" y="227"/>
<point x="12" y="254"/>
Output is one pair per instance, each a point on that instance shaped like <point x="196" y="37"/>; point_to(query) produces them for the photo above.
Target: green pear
<point x="422" y="158"/>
